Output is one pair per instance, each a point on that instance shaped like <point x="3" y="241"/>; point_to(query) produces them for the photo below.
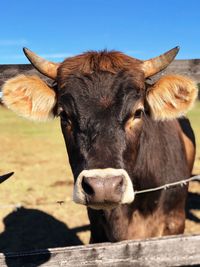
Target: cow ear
<point x="29" y="97"/>
<point x="171" y="97"/>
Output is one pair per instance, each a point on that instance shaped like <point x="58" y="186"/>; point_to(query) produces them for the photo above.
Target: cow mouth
<point x="103" y="205"/>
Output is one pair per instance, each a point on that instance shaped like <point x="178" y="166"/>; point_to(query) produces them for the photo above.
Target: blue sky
<point x="57" y="29"/>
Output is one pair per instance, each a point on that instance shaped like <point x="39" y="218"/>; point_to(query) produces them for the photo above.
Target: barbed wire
<point x="166" y="186"/>
<point x="61" y="202"/>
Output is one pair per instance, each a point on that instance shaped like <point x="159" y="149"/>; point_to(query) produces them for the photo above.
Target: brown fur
<point x="155" y="216"/>
<point x="90" y="62"/>
<point x="112" y="61"/>
<point x="187" y="136"/>
<point x="156" y="224"/>
<point x="171" y="97"/>
<point x="29" y="97"/>
<point x="105" y="101"/>
<point x="190" y="151"/>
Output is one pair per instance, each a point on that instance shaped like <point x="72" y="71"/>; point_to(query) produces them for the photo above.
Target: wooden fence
<point x="167" y="251"/>
<point x="189" y="68"/>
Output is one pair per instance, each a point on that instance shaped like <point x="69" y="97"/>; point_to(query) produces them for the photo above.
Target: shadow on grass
<point x="193" y="203"/>
<point x="31" y="229"/>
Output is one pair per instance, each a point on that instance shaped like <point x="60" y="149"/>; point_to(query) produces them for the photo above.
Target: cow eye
<point x="64" y="117"/>
<point x="138" y="113"/>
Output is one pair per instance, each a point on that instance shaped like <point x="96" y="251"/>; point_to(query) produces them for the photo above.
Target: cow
<point x="122" y="132"/>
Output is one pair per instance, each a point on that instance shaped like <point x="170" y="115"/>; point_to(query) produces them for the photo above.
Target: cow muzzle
<point x="103" y="188"/>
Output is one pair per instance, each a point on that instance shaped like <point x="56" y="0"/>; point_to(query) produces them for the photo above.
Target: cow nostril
<point x="119" y="186"/>
<point x="87" y="188"/>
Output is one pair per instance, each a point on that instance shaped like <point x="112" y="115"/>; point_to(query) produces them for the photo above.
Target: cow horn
<point x="155" y="65"/>
<point x="5" y="177"/>
<point x="44" y="66"/>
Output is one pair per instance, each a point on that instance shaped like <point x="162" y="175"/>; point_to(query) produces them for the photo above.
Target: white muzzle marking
<point x="79" y="196"/>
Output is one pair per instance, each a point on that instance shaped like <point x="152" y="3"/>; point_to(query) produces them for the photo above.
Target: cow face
<point x="102" y="101"/>
<point x="97" y="111"/>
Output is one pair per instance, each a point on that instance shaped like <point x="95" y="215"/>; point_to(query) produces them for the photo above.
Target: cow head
<point x="103" y="100"/>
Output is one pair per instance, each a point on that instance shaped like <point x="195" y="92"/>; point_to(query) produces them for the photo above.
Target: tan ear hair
<point x="29" y="97"/>
<point x="171" y="97"/>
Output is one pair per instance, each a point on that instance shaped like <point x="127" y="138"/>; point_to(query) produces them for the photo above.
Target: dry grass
<point x="36" y="152"/>
<point x="193" y="223"/>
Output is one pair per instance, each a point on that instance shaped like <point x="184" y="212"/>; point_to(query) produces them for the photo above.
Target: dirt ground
<point x="31" y="210"/>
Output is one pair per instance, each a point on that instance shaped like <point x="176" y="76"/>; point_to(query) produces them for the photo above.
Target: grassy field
<point x="36" y="152"/>
<point x="194" y="116"/>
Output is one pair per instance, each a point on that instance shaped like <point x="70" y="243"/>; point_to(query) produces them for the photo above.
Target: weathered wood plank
<point x="168" y="251"/>
<point x="9" y="71"/>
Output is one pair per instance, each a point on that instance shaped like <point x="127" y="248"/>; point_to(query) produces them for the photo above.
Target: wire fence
<point x="63" y="202"/>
